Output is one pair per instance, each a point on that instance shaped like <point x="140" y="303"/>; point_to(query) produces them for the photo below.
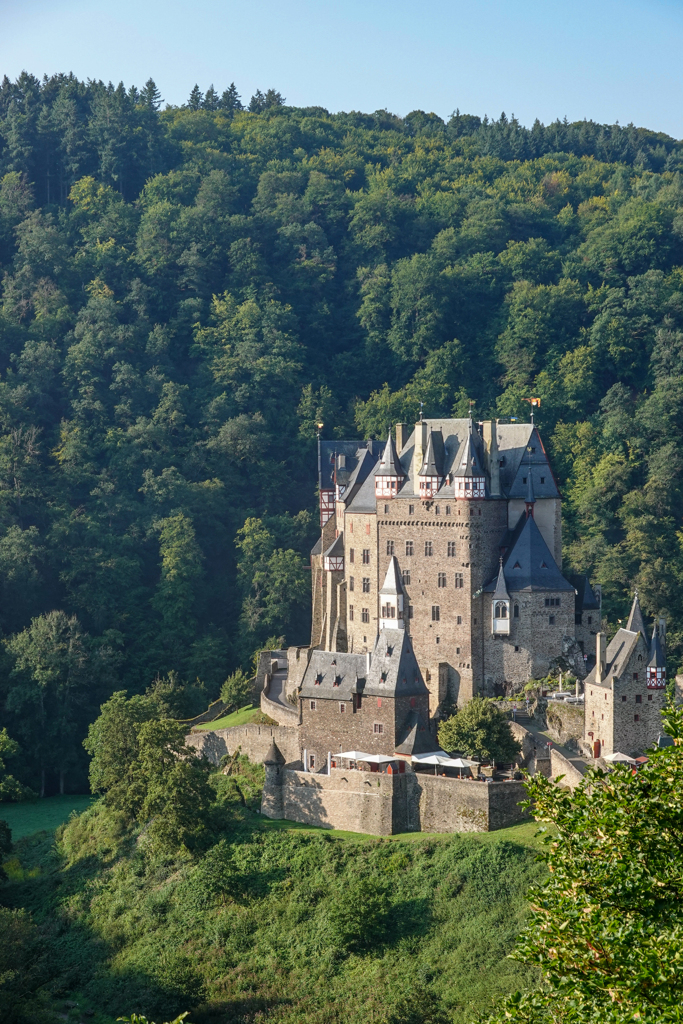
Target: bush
<point x="358" y="915"/>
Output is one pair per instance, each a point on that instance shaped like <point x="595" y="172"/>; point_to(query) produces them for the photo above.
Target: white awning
<point x="621" y="758"/>
<point x="354" y="755"/>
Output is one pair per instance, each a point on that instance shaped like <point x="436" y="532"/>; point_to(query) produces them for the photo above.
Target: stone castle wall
<point x="565" y="723"/>
<point x="380" y="804"/>
<point x="253" y="740"/>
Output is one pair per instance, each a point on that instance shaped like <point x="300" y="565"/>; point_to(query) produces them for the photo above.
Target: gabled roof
<point x="336" y="548"/>
<point x="433" y="457"/>
<point x="317" y="547"/>
<point x="392" y="580"/>
<point x="394" y="671"/>
<point x="518" y="463"/>
<point x="364" y="498"/>
<point x="657" y="659"/>
<point x="353" y="451"/>
<point x="339" y="675"/>
<point x="389" y="464"/>
<point x="619" y="651"/>
<point x="636" y="622"/>
<point x="528" y="563"/>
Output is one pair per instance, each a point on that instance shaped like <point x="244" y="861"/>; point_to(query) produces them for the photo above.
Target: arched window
<point x="501" y="610"/>
<point x="516" y="611"/>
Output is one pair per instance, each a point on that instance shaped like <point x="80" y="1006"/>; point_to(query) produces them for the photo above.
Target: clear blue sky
<point x="610" y="60"/>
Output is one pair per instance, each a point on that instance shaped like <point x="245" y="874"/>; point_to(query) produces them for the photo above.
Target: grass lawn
<point x="241" y="717"/>
<point x="41" y="815"/>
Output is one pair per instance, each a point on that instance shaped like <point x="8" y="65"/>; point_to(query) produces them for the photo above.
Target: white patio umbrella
<point x="441" y="760"/>
<point x="431" y="753"/>
<point x="621" y="758"/>
<point x="354" y="755"/>
<point x="462" y="762"/>
<point x="376" y="758"/>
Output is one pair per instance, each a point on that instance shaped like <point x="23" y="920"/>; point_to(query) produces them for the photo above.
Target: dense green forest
<point x="187" y="291"/>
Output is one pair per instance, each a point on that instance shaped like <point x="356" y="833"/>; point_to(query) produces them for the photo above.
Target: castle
<point x="453" y="534"/>
<point x="437" y="577"/>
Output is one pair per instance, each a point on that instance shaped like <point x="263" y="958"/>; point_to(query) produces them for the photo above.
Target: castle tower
<point x="430" y="475"/>
<point x="470" y="475"/>
<point x="656" y="666"/>
<point x="272" y="803"/>
<point x="636" y="622"/>
<point x="389" y="475"/>
<point x="391" y="599"/>
<point x="500" y="605"/>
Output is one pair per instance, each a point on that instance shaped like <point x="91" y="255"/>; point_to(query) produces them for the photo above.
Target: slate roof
<point x="389" y="464"/>
<point x="336" y="548"/>
<point x="274" y="755"/>
<point x="392" y="580"/>
<point x="501" y="593"/>
<point x="433" y="457"/>
<point x="470" y="459"/>
<point x="394" y="671"/>
<point x="528" y="563"/>
<point x="317" y="547"/>
<point x="636" y="622"/>
<point x="585" y="597"/>
<point x="619" y="650"/>
<point x="657" y="659"/>
<point x="416" y="737"/>
<point x="364" y="498"/>
<point x="340" y="675"/>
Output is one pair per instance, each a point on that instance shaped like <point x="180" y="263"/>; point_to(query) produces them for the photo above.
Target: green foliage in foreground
<point x="479" y="730"/>
<point x="607" y="926"/>
<point x="293" y="923"/>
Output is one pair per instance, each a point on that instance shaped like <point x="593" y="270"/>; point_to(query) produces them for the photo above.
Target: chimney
<point x="600" y="657"/>
<point x="490" y="436"/>
<point x="402" y="435"/>
<point x="367" y="663"/>
<point x="421" y="434"/>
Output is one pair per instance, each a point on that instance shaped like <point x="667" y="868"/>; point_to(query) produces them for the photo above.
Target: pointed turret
<point x="430" y="474"/>
<point x="636" y="622"/>
<point x="389" y="474"/>
<point x="470" y="479"/>
<point x="391" y="598"/>
<point x="656" y="666"/>
<point x="500" y="604"/>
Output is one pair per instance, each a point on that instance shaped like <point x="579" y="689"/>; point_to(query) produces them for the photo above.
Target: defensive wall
<point x="376" y="803"/>
<point x="253" y="740"/>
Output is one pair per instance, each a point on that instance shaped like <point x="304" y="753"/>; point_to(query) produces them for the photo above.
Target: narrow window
<point x="405" y="577"/>
<point x="312" y="705"/>
<point x="342" y="708"/>
<point x="442" y="579"/>
<point x="551" y="620"/>
<point x="365" y="615"/>
<point x="451" y="548"/>
<point x="351" y="555"/>
<point x="428" y="547"/>
<point x="448" y="510"/>
<point x="436" y="510"/>
<point x="649" y="696"/>
<point x="411" y="510"/>
<point x="409" y="547"/>
<point x="547" y="602"/>
<point x="352" y="583"/>
<point x="410" y="611"/>
<point x="639" y="699"/>
<point x="366" y="556"/>
<point x="390" y="547"/>
<point x="436" y="614"/>
<point x="590" y="620"/>
<point x="378" y="728"/>
<point x="386" y="510"/>
<point x="624" y="697"/>
<point x="542" y="479"/>
<point x="459" y="620"/>
<point x="366" y="584"/>
<point x="523" y="479"/>
<point x="516" y="615"/>
<point x="636" y="718"/>
<point x="311" y="761"/>
<point x="351" y="612"/>
<point x="635" y="675"/>
<point x="458" y="581"/>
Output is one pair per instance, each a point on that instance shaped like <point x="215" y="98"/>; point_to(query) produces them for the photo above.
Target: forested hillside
<point x="187" y="291"/>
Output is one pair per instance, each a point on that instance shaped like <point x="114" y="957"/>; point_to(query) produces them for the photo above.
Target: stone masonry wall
<point x="361" y="535"/>
<point x="253" y="740"/>
<point x="533" y="642"/>
<point x="349" y="800"/>
<point x="565" y="723"/>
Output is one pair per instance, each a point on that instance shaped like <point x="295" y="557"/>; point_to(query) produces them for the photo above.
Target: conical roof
<point x="501" y="593"/>
<point x="429" y="466"/>
<point x="657" y="659"/>
<point x="470" y="463"/>
<point x="274" y="756"/>
<point x="636" y="622"/>
<point x="529" y="564"/>
<point x="392" y="580"/>
<point x="389" y="464"/>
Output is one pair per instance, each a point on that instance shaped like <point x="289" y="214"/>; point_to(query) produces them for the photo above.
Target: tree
<point x="196" y="98"/>
<point x="58" y="671"/>
<point x="113" y="744"/>
<point x="606" y="927"/>
<point x="10" y="788"/>
<point x="236" y="689"/>
<point x="230" y="100"/>
<point x="479" y="730"/>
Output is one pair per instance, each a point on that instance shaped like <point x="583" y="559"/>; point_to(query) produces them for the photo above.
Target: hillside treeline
<point x="187" y="292"/>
